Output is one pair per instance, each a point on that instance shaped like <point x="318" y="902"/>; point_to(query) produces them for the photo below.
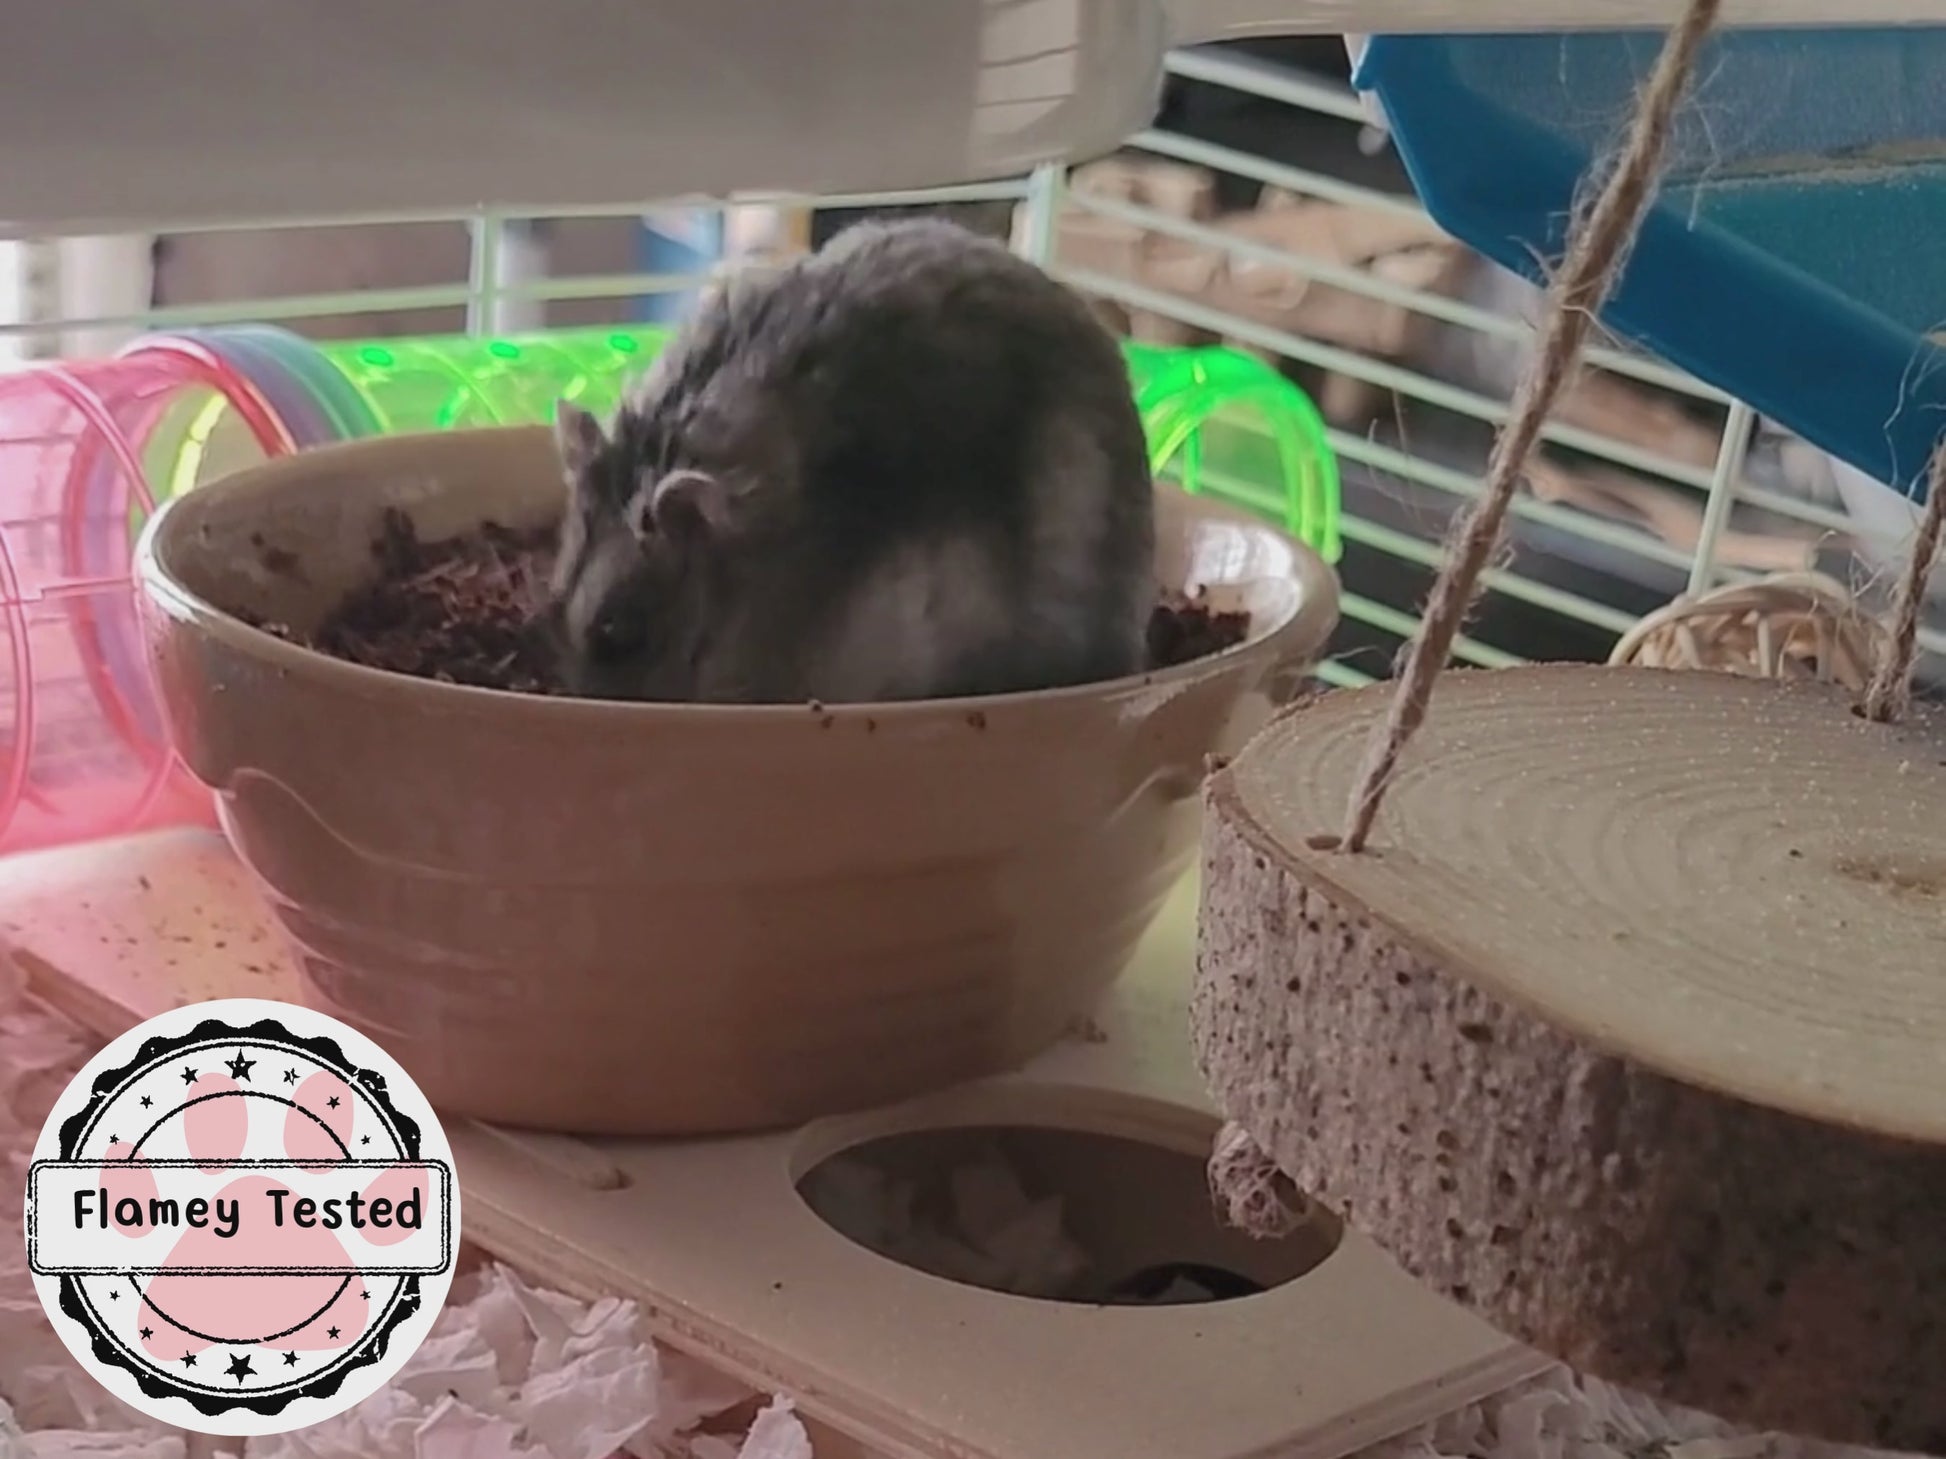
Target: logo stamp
<point x="241" y="1217"/>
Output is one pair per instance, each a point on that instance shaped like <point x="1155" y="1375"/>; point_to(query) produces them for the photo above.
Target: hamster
<point x="907" y="466"/>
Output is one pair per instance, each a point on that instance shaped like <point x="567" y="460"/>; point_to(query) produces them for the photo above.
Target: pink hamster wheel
<point x="83" y="754"/>
<point x="154" y="379"/>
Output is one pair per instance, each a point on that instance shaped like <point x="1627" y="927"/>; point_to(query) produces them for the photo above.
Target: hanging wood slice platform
<point x="731" y="1264"/>
<point x="1628" y="1031"/>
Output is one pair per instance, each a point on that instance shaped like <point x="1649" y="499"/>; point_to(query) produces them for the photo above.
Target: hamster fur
<point x="908" y="466"/>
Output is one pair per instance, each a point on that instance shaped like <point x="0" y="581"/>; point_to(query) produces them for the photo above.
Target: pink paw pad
<point x="207" y="1294"/>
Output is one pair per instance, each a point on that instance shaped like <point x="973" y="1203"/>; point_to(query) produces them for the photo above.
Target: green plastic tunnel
<point x="1217" y="420"/>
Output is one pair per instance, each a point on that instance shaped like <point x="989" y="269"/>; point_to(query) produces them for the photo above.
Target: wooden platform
<point x="1641" y="972"/>
<point x="731" y="1265"/>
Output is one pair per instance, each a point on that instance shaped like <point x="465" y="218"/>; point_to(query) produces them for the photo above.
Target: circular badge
<point x="241" y="1217"/>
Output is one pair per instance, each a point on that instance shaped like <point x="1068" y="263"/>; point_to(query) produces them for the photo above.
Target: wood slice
<point x="1628" y="1030"/>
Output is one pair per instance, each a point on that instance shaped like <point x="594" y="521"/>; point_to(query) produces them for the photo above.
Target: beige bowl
<point x="662" y="919"/>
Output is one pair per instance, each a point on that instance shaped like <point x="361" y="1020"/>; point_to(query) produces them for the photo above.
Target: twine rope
<point x="1250" y="1192"/>
<point x="1599" y="242"/>
<point x="1250" y="1189"/>
<point x="1891" y="687"/>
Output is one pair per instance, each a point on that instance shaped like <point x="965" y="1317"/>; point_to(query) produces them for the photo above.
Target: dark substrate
<point x="462" y="610"/>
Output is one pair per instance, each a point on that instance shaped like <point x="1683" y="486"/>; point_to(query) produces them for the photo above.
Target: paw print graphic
<point x="258" y="1225"/>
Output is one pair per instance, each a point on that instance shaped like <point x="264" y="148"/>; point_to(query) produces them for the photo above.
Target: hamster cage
<point x="1637" y="512"/>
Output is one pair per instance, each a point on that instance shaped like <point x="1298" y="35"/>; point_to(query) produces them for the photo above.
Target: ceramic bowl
<point x="680" y="919"/>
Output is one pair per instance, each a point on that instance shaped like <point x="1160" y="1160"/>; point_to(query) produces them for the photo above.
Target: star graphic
<point x="290" y="1076"/>
<point x="114" y="1294"/>
<point x="366" y="1296"/>
<point x="364" y="1139"/>
<point x="332" y="1102"/>
<point x="240" y="1067"/>
<point x="290" y="1360"/>
<point x="114" y="1139"/>
<point x="147" y="1333"/>
<point x="146" y="1101"/>
<point x="333" y="1332"/>
<point x="188" y="1075"/>
<point x="189" y="1360"/>
<point x="240" y="1367"/>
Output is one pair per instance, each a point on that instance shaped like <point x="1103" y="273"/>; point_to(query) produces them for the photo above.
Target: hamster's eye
<point x="612" y="637"/>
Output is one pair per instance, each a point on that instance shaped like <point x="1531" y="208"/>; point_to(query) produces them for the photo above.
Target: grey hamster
<point x="907" y="466"/>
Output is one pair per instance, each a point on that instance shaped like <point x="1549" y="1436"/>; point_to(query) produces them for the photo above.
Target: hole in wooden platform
<point x="1059" y="1214"/>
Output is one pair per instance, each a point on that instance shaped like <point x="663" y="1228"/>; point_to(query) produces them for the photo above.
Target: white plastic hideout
<point x="730" y="1265"/>
<point x="128" y="115"/>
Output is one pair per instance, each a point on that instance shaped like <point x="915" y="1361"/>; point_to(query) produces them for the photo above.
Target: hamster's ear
<point x="687" y="507"/>
<point x="578" y="437"/>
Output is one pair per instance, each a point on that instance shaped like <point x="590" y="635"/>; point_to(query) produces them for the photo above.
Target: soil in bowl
<point x="463" y="610"/>
<point x="460" y="610"/>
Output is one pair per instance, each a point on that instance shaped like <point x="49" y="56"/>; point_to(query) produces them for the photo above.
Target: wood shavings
<point x="982" y="1229"/>
<point x="774" y="1434"/>
<point x="975" y="1221"/>
<point x="44" y="1391"/>
<point x="509" y="1370"/>
<point x="512" y="1371"/>
<point x="84" y="1444"/>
